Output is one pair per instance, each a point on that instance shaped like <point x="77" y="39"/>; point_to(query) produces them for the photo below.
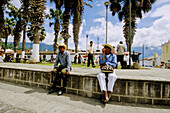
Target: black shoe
<point x="60" y="92"/>
<point x="51" y="91"/>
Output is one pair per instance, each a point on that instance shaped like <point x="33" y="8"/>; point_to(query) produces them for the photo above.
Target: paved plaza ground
<point x="16" y="98"/>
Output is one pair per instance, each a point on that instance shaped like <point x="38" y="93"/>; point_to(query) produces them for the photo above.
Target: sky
<point x="152" y="30"/>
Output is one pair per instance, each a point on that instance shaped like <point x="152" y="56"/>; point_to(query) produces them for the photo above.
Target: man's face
<point x="107" y="50"/>
<point x="91" y="43"/>
<point x="61" y="48"/>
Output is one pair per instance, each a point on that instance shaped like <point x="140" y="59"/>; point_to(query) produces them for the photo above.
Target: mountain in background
<point x="43" y="46"/>
<point x="147" y="51"/>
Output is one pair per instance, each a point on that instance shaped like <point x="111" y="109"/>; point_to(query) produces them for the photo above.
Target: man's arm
<point x="56" y="62"/>
<point x="68" y="63"/>
<point x="113" y="62"/>
<point x="117" y="48"/>
<point x="88" y="50"/>
<point x="124" y="49"/>
<point x="93" y="50"/>
<point x="101" y="60"/>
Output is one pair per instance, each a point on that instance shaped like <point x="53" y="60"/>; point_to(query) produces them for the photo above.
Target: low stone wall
<point x="125" y="90"/>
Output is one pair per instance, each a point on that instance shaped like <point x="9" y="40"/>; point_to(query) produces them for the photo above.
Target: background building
<point x="166" y="53"/>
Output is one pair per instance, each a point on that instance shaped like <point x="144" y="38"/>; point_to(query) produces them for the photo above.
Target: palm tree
<point x="66" y="17"/>
<point x="77" y="11"/>
<point x="77" y="19"/>
<point x="122" y="8"/>
<point x="16" y="14"/>
<point x="25" y="15"/>
<point x="8" y="30"/>
<point x="36" y="18"/>
<point x="57" y="15"/>
<point x="2" y="5"/>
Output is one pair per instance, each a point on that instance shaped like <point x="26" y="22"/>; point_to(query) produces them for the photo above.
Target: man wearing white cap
<point x="63" y="57"/>
<point x="107" y="59"/>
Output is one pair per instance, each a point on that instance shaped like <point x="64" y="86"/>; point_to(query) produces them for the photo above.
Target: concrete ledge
<point x="125" y="90"/>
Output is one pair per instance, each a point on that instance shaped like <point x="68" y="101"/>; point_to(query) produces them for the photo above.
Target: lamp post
<point x="129" y="33"/>
<point x="86" y="41"/>
<point x="143" y="55"/>
<point x="107" y="3"/>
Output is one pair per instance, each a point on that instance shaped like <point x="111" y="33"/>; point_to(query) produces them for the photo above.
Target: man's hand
<point x="67" y="73"/>
<point x="103" y="50"/>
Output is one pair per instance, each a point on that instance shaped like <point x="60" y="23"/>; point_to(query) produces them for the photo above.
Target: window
<point x="167" y="49"/>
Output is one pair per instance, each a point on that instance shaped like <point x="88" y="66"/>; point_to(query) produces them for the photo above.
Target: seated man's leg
<point x="63" y="82"/>
<point x="55" y="77"/>
<point x="54" y="80"/>
<point x="102" y="82"/>
<point x="111" y="81"/>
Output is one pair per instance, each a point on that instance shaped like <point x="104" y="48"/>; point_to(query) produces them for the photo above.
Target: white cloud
<point x="161" y="11"/>
<point x="98" y="5"/>
<point x="159" y="32"/>
<point x="115" y="33"/>
<point x="159" y="2"/>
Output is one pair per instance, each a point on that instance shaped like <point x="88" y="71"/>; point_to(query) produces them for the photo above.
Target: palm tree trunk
<point x="6" y="40"/>
<point x="126" y="28"/>
<point x="77" y="22"/>
<point x="15" y="51"/>
<point x="57" y="29"/>
<point x="1" y="21"/>
<point x="35" y="54"/>
<point x="66" y="18"/>
<point x="23" y="42"/>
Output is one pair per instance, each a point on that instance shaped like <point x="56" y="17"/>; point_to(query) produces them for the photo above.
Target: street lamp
<point x="86" y="41"/>
<point x="130" y="34"/>
<point x="107" y="3"/>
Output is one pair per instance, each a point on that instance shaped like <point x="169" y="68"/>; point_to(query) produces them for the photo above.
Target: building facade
<point x="166" y="53"/>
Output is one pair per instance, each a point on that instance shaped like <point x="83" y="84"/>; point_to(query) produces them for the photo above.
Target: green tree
<point x="122" y="8"/>
<point x="25" y="15"/>
<point x="77" y="11"/>
<point x="57" y="16"/>
<point x="2" y="5"/>
<point x="8" y="30"/>
<point x="16" y="14"/>
<point x="37" y="14"/>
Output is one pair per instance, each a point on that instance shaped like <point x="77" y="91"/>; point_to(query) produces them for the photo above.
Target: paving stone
<point x="15" y="111"/>
<point x="5" y="109"/>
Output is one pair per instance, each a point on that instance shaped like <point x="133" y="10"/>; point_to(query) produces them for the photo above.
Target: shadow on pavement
<point x="91" y="101"/>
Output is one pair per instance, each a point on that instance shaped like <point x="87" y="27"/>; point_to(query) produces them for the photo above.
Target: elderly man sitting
<point x="59" y="71"/>
<point x="107" y="60"/>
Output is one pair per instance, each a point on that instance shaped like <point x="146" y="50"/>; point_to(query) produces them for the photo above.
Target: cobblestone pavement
<point x="141" y="74"/>
<point x="16" y="98"/>
<point x="5" y="108"/>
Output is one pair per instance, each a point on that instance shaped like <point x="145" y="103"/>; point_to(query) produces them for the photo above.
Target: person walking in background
<point x="120" y="53"/>
<point x="79" y="59"/>
<point x="91" y="51"/>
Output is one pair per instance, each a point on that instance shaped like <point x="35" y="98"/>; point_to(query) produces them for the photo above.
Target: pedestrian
<point x="108" y="60"/>
<point x="91" y="51"/>
<point x="75" y="59"/>
<point x="61" y="71"/>
<point x="120" y="53"/>
<point x="79" y="59"/>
